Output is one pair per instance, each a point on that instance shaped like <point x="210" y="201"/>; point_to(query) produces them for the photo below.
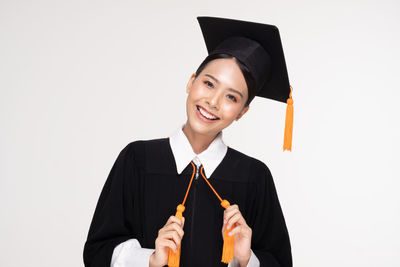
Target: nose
<point x="214" y="99"/>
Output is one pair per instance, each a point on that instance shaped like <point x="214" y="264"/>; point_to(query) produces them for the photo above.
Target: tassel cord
<point x="229" y="244"/>
<point x="174" y="257"/>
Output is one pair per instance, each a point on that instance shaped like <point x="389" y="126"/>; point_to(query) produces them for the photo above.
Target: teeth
<point x="208" y="116"/>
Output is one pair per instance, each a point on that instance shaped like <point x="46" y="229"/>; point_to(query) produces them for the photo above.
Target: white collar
<point x="183" y="152"/>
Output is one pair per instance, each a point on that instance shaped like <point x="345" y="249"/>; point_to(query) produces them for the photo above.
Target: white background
<point x="81" y="79"/>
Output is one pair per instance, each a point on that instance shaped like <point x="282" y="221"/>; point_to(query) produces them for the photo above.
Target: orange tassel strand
<point x="287" y="141"/>
<point x="228" y="248"/>
<point x="229" y="241"/>
<point x="174" y="257"/>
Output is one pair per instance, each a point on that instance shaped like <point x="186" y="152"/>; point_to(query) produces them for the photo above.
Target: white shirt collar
<point x="183" y="152"/>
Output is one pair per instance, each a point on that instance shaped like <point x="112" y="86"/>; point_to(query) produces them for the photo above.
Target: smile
<point x="205" y="114"/>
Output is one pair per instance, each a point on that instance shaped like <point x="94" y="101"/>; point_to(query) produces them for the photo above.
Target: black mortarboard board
<point x="258" y="46"/>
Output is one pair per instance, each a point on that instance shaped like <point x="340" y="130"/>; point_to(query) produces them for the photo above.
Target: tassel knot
<point x="180" y="209"/>
<point x="225" y="203"/>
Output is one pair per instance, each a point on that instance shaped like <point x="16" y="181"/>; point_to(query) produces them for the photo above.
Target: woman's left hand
<point x="242" y="233"/>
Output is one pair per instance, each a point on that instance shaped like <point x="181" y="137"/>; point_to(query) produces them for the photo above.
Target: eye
<point x="209" y="84"/>
<point x="233" y="98"/>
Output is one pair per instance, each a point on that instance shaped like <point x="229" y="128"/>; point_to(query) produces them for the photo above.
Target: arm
<point x="130" y="253"/>
<point x="253" y="262"/>
<point x="114" y="217"/>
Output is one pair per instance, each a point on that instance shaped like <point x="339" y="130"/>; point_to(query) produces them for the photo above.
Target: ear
<point x="190" y="82"/>
<point x="242" y="113"/>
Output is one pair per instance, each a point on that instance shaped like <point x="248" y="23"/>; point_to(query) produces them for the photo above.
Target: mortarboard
<point x="258" y="46"/>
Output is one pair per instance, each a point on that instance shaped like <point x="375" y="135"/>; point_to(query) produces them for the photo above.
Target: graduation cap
<point x="258" y="46"/>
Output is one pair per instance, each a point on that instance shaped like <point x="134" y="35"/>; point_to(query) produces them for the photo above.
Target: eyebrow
<point x="230" y="89"/>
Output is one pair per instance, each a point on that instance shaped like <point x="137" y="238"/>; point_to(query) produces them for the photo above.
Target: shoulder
<point x="247" y="160"/>
<point x="150" y="154"/>
<point x="140" y="146"/>
<point x="256" y="170"/>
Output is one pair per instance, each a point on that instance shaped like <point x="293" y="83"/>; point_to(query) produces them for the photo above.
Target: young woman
<point x="225" y="201"/>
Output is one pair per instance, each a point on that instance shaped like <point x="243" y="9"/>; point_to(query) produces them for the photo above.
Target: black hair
<point x="251" y="85"/>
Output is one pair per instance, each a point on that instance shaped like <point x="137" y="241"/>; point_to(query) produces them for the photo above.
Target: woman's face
<point x="216" y="97"/>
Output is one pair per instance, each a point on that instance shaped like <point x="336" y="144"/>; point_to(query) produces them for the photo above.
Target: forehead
<point x="227" y="72"/>
<point x="223" y="65"/>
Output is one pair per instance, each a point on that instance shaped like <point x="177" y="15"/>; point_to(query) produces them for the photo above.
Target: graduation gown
<point x="143" y="190"/>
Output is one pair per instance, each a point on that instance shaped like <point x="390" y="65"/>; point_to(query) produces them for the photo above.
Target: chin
<point x="199" y="127"/>
<point x="202" y="128"/>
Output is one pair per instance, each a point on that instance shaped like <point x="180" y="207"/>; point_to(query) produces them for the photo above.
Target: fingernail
<point x="230" y="233"/>
<point x="228" y="227"/>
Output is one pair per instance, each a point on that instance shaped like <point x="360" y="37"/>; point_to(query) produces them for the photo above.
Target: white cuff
<point x="130" y="253"/>
<point x="253" y="262"/>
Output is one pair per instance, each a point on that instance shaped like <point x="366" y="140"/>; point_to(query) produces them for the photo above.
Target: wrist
<point x="243" y="262"/>
<point x="151" y="261"/>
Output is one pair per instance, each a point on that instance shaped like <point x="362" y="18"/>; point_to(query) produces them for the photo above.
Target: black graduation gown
<point x="143" y="190"/>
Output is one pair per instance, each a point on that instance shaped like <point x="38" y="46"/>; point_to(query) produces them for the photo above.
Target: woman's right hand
<point x="169" y="236"/>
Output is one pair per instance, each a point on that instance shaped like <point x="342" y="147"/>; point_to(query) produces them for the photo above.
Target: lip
<point x="208" y="111"/>
<point x="201" y="117"/>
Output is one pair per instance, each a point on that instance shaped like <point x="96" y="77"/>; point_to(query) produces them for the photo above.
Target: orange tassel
<point x="174" y="258"/>
<point x="228" y="248"/>
<point x="287" y="141"/>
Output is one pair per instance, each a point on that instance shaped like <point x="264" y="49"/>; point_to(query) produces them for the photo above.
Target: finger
<point x="235" y="230"/>
<point x="175" y="227"/>
<point x="242" y="230"/>
<point x="223" y="231"/>
<point x="229" y="214"/>
<point x="173" y="219"/>
<point x="236" y="219"/>
<point x="172" y="235"/>
<point x="169" y="226"/>
<point x="232" y="207"/>
<point x="168" y="243"/>
<point x="223" y="227"/>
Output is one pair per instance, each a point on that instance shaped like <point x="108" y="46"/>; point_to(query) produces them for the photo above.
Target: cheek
<point x="198" y="92"/>
<point x="231" y="111"/>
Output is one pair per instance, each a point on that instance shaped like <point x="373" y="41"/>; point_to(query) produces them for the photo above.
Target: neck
<point x="199" y="142"/>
